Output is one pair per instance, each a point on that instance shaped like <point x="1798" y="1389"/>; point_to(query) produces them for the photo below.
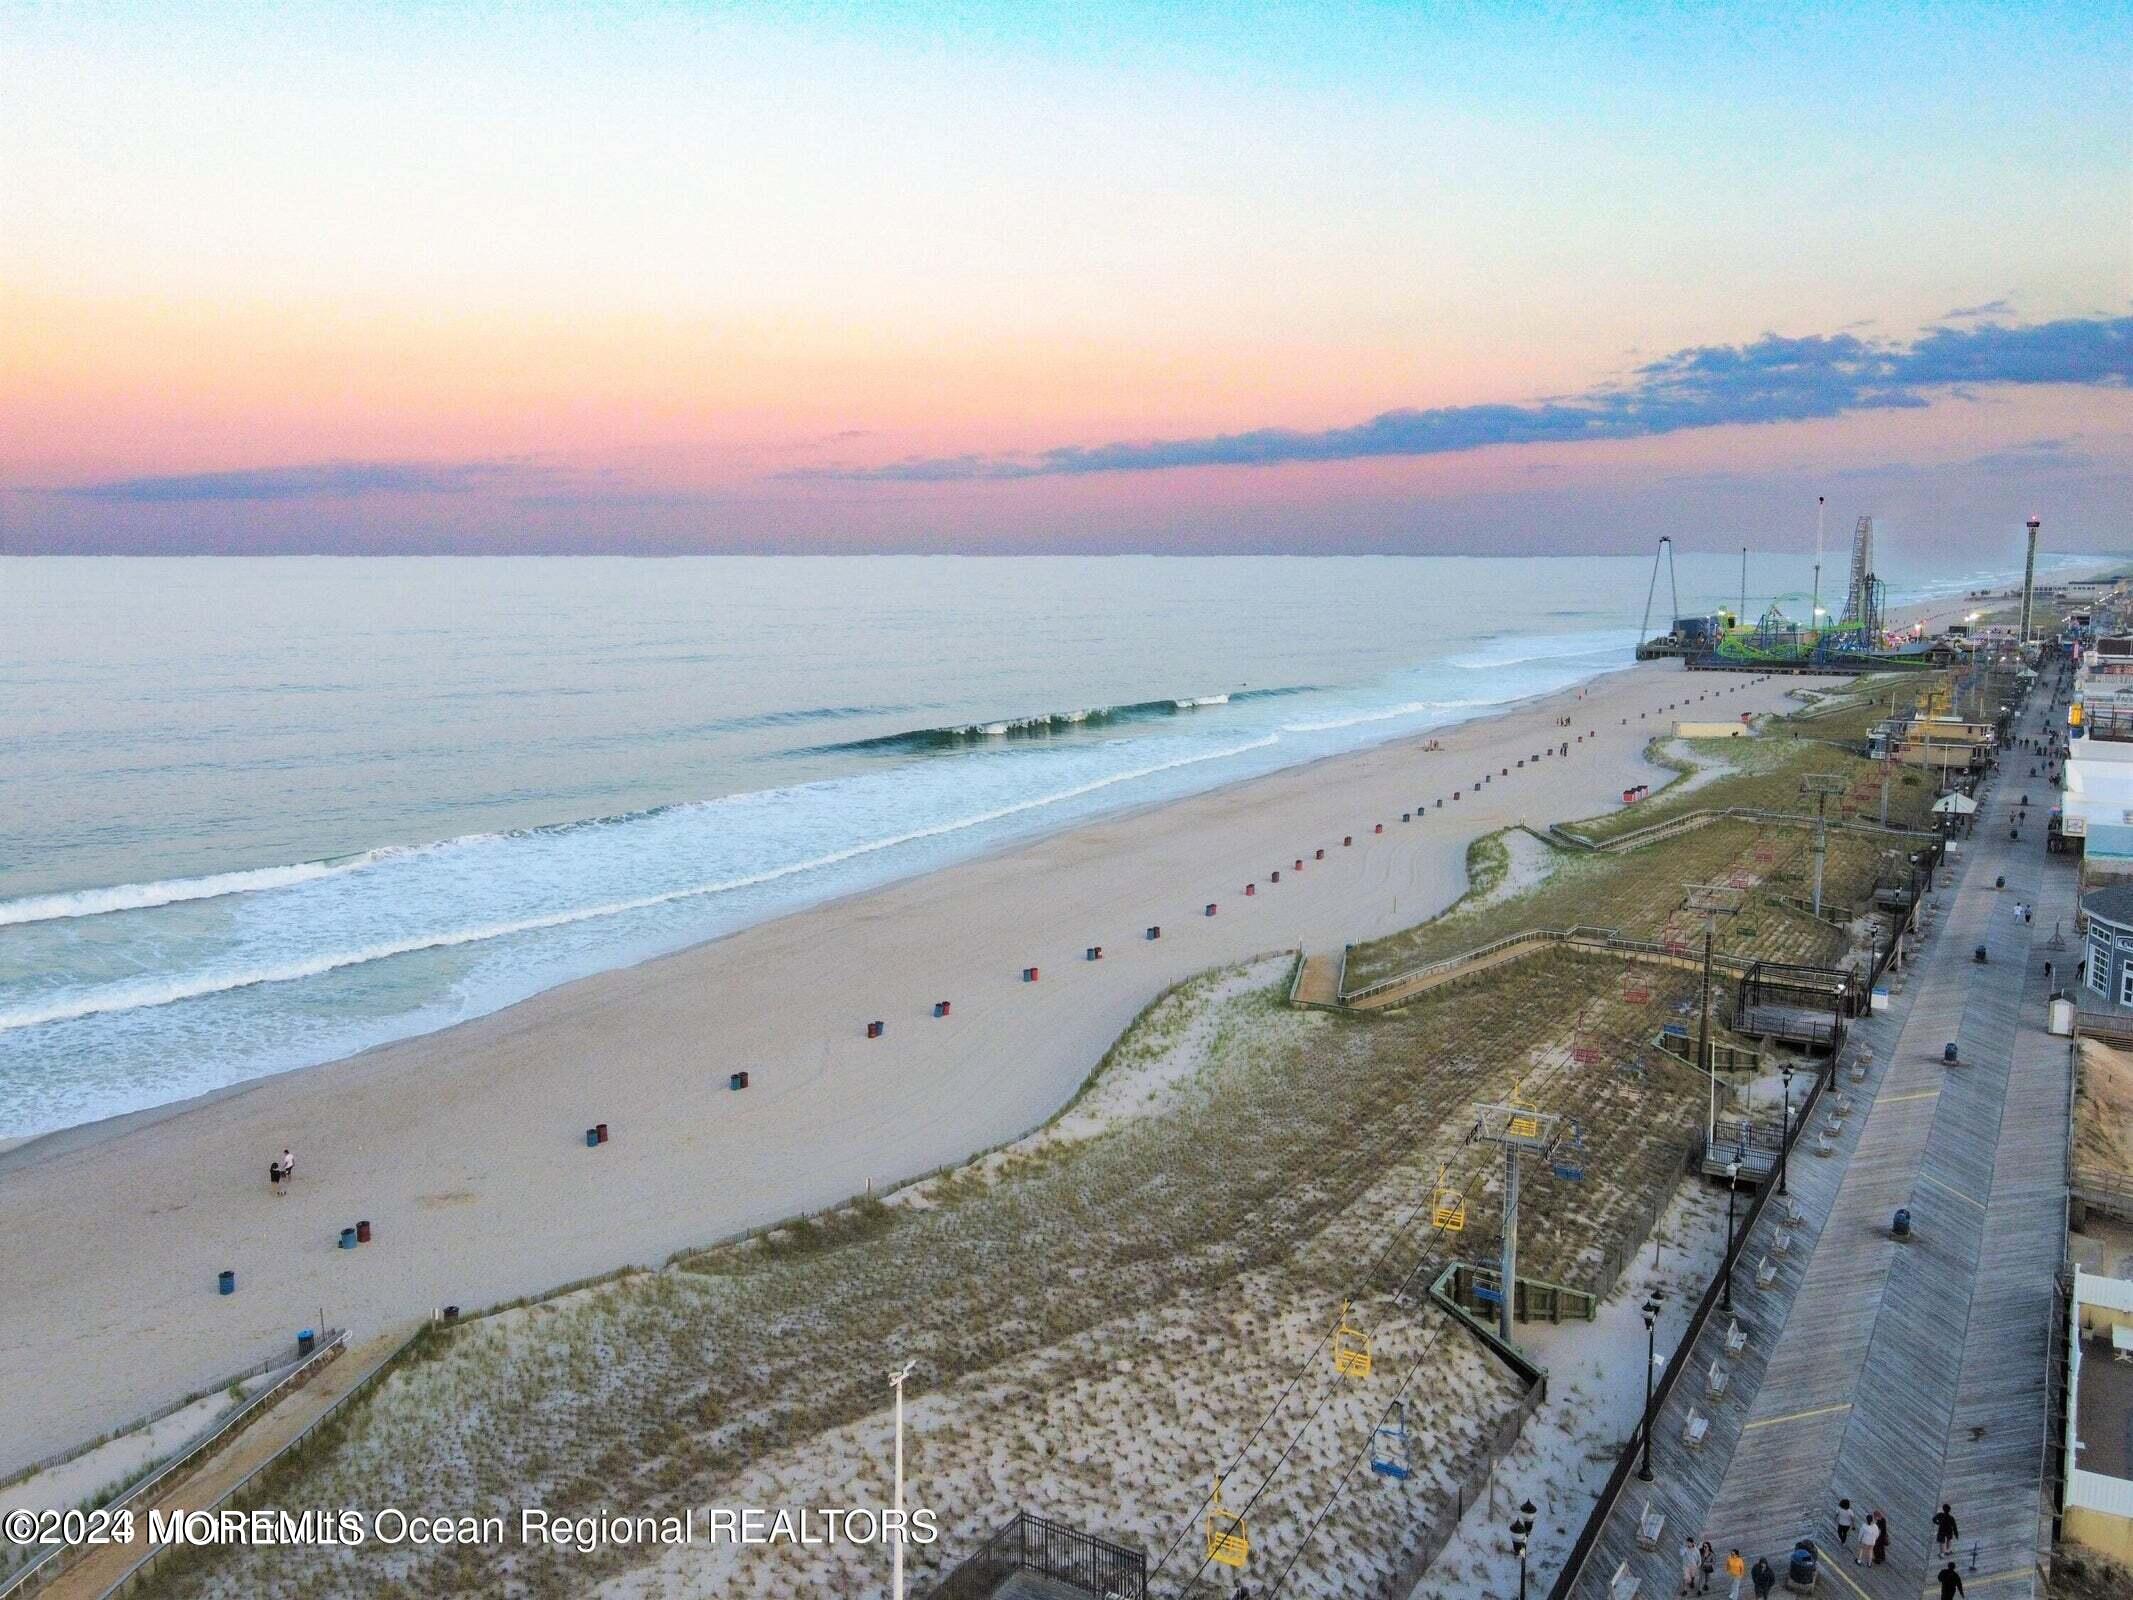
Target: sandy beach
<point x="465" y="1149"/>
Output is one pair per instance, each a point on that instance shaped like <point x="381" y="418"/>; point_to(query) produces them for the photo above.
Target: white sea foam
<point x="172" y="891"/>
<point x="136" y="996"/>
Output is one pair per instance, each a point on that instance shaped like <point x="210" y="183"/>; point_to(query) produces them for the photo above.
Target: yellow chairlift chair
<point x="1449" y="1215"/>
<point x="1228" y="1544"/>
<point x="1351" y="1348"/>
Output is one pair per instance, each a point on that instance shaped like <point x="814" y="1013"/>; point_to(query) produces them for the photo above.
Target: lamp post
<point x="1732" y="1180"/>
<point x="1650" y="1308"/>
<point x="1521" y="1534"/>
<point x="1785" y="1136"/>
<point x="896" y="1558"/>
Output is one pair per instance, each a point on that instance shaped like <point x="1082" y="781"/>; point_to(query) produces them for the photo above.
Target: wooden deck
<point x="1897" y="1374"/>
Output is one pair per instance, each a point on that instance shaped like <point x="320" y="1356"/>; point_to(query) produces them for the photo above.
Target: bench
<point x="1794" y="1211"/>
<point x="1844" y="1104"/>
<point x="1781" y="1242"/>
<point x="1715" y="1381"/>
<point x="1623" y="1585"/>
<point x="1824" y="1144"/>
<point x="1694" y="1430"/>
<point x="1859" y="1069"/>
<point x="1650" y="1526"/>
<point x="1766" y="1273"/>
<point x="1736" y="1339"/>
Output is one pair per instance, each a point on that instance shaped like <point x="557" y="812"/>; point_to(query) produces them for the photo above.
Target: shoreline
<point x="24" y="1149"/>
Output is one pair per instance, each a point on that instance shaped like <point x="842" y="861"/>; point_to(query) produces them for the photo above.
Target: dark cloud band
<point x="1772" y="379"/>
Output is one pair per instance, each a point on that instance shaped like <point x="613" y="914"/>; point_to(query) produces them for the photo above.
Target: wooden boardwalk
<point x="1899" y="1375"/>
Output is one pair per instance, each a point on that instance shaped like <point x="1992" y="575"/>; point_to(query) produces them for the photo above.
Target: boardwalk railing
<point x="142" y="1568"/>
<point x="1684" y="821"/>
<point x="1603" y="940"/>
<point x="142" y="1491"/>
<point x="1682" y="1360"/>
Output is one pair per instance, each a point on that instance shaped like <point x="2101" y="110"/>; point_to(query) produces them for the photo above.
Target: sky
<point x="392" y="278"/>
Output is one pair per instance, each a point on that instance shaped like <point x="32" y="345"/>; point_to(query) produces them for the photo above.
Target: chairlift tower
<point x="1820" y="786"/>
<point x="1711" y="901"/>
<point x="1518" y="1127"/>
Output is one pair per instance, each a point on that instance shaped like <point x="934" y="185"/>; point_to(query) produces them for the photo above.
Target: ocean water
<point x="264" y="813"/>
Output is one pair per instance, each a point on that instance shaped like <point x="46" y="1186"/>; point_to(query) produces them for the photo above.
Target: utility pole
<point x="1815" y="613"/>
<point x="2029" y="582"/>
<point x="896" y="1558"/>
<point x="1712" y="900"/>
<point x="1821" y="785"/>
<point x="1518" y="1126"/>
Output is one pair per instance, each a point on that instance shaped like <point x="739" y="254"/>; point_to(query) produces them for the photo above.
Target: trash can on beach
<point x="348" y="1238"/>
<point x="739" y="1080"/>
<point x="226" y="1282"/>
<point x="363" y="1232"/>
<point x="305" y="1339"/>
<point x="592" y="1137"/>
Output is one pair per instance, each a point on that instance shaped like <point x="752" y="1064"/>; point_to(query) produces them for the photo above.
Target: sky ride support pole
<point x="1509" y="1267"/>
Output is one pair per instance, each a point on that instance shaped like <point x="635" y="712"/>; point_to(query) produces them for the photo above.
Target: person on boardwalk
<point x="1869" y="1532"/>
<point x="1845" y="1519"/>
<point x="1691" y="1565"/>
<point x="1951" y="1582"/>
<point x="1736" y="1569"/>
<point x="1881" y="1538"/>
<point x="1764" y="1577"/>
<point x="1707" y="1563"/>
<point x="1944" y="1529"/>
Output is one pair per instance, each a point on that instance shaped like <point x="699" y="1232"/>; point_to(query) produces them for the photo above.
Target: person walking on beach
<point x="1707" y="1563"/>
<point x="1951" y="1582"/>
<point x="1944" y="1529"/>
<point x="1764" y="1577"/>
<point x="1736" y="1569"/>
<point x="1869" y="1532"/>
<point x="1845" y="1519"/>
<point x="285" y="1170"/>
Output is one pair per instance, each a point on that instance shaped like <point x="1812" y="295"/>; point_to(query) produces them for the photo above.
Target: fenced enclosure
<point x="1052" y="1550"/>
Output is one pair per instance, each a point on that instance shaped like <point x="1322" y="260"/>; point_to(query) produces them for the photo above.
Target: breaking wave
<point x="962" y="735"/>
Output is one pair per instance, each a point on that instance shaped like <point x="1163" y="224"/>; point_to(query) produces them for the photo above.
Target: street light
<point x="1650" y="1308"/>
<point x="1521" y="1532"/>
<point x="1785" y="1136"/>
<point x="896" y="1559"/>
<point x="1732" y="1179"/>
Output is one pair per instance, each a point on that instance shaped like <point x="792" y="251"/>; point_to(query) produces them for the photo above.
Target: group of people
<point x="1699" y="1564"/>
<point x="1873" y="1534"/>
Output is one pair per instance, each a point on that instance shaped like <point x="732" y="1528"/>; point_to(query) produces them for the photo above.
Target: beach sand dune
<point x="465" y="1149"/>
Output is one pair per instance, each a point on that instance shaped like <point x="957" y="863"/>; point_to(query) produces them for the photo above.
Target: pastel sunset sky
<point x="1104" y="276"/>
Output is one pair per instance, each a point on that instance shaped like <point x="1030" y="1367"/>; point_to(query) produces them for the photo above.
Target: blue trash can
<point x="305" y="1339"/>
<point x="1902" y="1225"/>
<point x="1800" y="1571"/>
<point x="348" y="1238"/>
<point x="226" y="1283"/>
<point x="592" y="1137"/>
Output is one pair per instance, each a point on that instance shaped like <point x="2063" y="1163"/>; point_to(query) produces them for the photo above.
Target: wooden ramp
<point x="1319" y="983"/>
<point x="110" y="1569"/>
